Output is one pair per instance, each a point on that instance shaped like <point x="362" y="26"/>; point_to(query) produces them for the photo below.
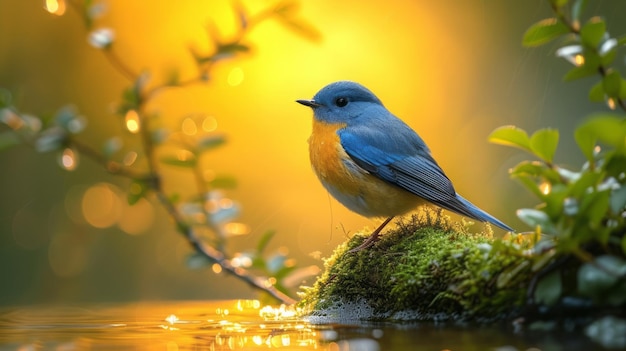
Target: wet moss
<point x="424" y="269"/>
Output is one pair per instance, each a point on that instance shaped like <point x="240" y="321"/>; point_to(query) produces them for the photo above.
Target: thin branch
<point x="110" y="166"/>
<point x="218" y="257"/>
<point x="119" y="65"/>
<point x="213" y="254"/>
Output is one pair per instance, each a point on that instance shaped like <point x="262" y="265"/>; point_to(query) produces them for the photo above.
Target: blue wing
<point x="391" y="150"/>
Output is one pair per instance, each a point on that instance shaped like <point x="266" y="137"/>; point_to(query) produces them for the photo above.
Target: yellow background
<point x="453" y="70"/>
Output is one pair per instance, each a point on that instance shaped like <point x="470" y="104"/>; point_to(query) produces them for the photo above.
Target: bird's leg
<point x="372" y="238"/>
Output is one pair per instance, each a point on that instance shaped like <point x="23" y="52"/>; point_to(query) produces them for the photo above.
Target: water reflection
<point x="240" y="325"/>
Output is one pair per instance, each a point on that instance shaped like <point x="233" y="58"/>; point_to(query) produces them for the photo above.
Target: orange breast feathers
<point x="351" y="185"/>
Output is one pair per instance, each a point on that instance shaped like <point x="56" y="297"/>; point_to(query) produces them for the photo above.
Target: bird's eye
<point x="341" y="102"/>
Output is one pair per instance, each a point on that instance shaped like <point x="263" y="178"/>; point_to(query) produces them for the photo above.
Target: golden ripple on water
<point x="245" y="325"/>
<point x="230" y="325"/>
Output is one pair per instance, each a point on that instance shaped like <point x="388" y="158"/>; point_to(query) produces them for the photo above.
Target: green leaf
<point x="593" y="31"/>
<point x="607" y="58"/>
<point x="223" y="182"/>
<point x="622" y="90"/>
<point x="591" y="63"/>
<point x="210" y="142"/>
<point x="510" y="136"/>
<point x="264" y="241"/>
<point x="301" y="27"/>
<point x="586" y="141"/>
<point x="530" y="184"/>
<point x="618" y="200"/>
<point x="222" y="51"/>
<point x="190" y="162"/>
<point x="583" y="71"/>
<point x="612" y="83"/>
<point x="621" y="41"/>
<point x="543" y="143"/>
<point x="594" y="208"/>
<point x="555" y="201"/>
<point x="605" y="127"/>
<point x="549" y="289"/>
<point x="285" y="8"/>
<point x="535" y="218"/>
<point x="624" y="245"/>
<point x="8" y="139"/>
<point x="535" y="169"/>
<point x="596" y="93"/>
<point x="529" y="168"/>
<point x="597" y="277"/>
<point x="559" y="3"/>
<point x="586" y="181"/>
<point x="232" y="48"/>
<point x="137" y="190"/>
<point x="543" y="32"/>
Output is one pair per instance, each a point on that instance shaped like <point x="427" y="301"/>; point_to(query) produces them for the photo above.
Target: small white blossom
<point x="101" y="38"/>
<point x="569" y="53"/>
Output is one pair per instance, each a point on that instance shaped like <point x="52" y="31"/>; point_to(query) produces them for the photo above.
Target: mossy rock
<point x="424" y="269"/>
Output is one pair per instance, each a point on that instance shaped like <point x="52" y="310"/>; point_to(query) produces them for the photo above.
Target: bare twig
<point x="211" y="253"/>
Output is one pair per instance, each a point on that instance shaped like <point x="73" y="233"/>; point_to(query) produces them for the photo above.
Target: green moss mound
<point x="424" y="269"/>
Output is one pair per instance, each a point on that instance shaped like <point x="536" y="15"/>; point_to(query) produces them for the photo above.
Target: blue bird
<point x="375" y="164"/>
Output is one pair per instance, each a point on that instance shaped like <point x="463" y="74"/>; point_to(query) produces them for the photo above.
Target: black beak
<point x="310" y="103"/>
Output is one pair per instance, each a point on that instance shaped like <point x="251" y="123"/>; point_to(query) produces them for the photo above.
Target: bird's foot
<point x="372" y="238"/>
<point x="370" y="241"/>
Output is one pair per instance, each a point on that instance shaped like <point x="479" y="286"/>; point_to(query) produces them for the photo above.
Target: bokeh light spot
<point x="129" y="158"/>
<point x="545" y="188"/>
<point x="132" y="121"/>
<point x="216" y="268"/>
<point x="101" y="205"/>
<point x="67" y="254"/>
<point x="73" y="203"/>
<point x="184" y="155"/>
<point x="579" y="60"/>
<point x="209" y="124"/>
<point x="68" y="159"/>
<point x="138" y="218"/>
<point x="234" y="228"/>
<point x="55" y="7"/>
<point x="235" y="77"/>
<point x="189" y="126"/>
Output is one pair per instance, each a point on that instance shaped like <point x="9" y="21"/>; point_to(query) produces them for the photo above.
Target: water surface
<point x="246" y="325"/>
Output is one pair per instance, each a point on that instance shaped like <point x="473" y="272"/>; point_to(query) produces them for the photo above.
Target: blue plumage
<point x="384" y="146"/>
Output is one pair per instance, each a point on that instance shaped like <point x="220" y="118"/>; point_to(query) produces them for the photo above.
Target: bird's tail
<point x="474" y="212"/>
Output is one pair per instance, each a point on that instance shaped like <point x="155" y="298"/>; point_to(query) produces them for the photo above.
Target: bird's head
<point x="341" y="102"/>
